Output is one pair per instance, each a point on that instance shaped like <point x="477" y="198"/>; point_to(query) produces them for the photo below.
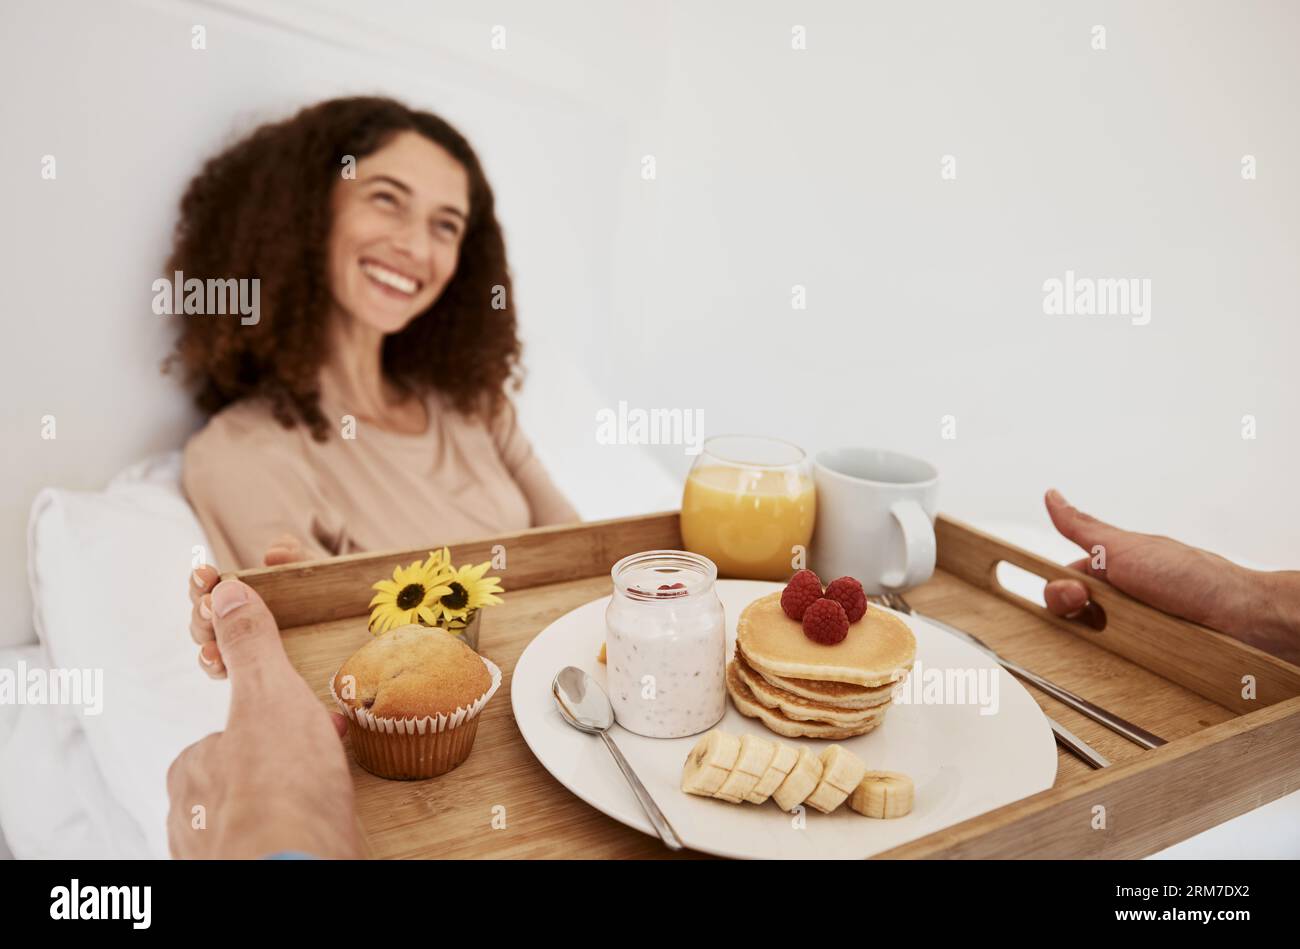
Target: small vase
<point x="469" y="632"/>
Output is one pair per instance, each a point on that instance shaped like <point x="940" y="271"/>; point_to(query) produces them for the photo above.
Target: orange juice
<point x="747" y="520"/>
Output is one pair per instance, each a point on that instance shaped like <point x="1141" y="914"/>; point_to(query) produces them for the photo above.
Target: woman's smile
<point x="389" y="281"/>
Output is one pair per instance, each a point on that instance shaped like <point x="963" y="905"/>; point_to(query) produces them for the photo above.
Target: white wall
<point x="822" y="168"/>
<point x="775" y="167"/>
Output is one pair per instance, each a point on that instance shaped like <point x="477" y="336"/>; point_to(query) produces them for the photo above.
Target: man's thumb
<point x="1083" y="529"/>
<point x="247" y="634"/>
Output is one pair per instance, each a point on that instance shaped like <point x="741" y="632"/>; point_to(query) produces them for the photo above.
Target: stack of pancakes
<point x="804" y="689"/>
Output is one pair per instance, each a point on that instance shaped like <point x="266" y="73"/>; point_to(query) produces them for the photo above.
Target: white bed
<point x="54" y="802"/>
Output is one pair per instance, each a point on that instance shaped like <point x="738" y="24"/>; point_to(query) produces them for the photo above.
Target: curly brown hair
<point x="261" y="209"/>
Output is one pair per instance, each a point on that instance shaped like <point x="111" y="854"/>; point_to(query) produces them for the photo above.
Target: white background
<point x="775" y="168"/>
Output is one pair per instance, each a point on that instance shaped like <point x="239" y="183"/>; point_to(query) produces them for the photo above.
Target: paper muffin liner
<point x="413" y="748"/>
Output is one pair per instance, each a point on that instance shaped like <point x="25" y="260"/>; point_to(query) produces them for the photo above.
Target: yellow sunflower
<point x="412" y="596"/>
<point x="438" y="562"/>
<point x="468" y="589"/>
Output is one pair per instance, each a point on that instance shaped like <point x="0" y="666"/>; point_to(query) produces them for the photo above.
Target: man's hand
<point x="277" y="778"/>
<point x="1257" y="608"/>
<point x="285" y="549"/>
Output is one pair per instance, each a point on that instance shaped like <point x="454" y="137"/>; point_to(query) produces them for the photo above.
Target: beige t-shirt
<point x="251" y="480"/>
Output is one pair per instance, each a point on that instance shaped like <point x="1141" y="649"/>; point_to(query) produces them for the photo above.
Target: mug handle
<point x="918" y="543"/>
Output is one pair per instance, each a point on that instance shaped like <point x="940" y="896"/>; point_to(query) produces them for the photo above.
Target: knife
<point x="1120" y="726"/>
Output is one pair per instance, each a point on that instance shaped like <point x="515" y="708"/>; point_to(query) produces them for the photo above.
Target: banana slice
<point x="842" y="772"/>
<point x="782" y="762"/>
<point x="755" y="755"/>
<point x="883" y="794"/>
<point x="800" y="782"/>
<point x="710" y="762"/>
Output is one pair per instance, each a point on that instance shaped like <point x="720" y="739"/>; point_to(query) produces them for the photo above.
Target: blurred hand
<point x="277" y="778"/>
<point x="285" y="549"/>
<point x="1259" y="608"/>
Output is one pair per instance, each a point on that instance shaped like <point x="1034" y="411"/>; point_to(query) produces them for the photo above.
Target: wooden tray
<point x="1226" y="755"/>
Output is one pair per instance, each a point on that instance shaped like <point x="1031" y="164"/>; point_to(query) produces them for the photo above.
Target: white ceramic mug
<point x="875" y="518"/>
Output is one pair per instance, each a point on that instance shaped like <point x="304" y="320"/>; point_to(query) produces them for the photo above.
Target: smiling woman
<point x="367" y="408"/>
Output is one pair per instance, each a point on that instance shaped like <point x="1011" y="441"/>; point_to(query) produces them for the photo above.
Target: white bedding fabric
<point x="54" y="802"/>
<point x="109" y="572"/>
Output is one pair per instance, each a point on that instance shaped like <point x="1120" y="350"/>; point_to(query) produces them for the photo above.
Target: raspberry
<point x="803" y="588"/>
<point x="824" y="622"/>
<point x="848" y="593"/>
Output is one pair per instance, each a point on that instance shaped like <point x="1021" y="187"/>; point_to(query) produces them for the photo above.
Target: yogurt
<point x="666" y="644"/>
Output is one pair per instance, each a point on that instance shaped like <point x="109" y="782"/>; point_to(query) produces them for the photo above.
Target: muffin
<point x="412" y="698"/>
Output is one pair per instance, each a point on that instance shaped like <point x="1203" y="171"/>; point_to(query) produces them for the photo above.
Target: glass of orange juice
<point x="749" y="502"/>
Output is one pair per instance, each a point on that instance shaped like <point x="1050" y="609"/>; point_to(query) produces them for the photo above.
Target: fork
<point x="1120" y="726"/>
<point x="1063" y="735"/>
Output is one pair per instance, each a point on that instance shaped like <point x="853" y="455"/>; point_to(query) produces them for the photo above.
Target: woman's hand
<point x="1262" y="609"/>
<point x="286" y="549"/>
<point x="277" y="778"/>
<point x="202" y="581"/>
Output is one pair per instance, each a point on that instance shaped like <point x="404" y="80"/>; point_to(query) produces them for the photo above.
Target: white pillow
<point x="108" y="572"/>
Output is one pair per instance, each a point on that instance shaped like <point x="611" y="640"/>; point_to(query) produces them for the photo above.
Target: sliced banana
<point x="800" y="782"/>
<point x="755" y="755"/>
<point x="751" y="768"/>
<point x="883" y="794"/>
<point x="782" y="762"/>
<point x="842" y="772"/>
<point x="710" y="762"/>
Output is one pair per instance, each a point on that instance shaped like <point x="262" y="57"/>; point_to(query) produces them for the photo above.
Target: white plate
<point x="963" y="763"/>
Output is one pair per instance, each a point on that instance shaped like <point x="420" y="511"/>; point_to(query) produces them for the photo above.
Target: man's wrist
<point x="1267" y="614"/>
<point x="1279" y="598"/>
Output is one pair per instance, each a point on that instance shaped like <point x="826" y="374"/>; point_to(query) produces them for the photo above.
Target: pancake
<point x="828" y="693"/>
<point x="835" y="694"/>
<point x="800" y="709"/>
<point x="878" y="649"/>
<point x="748" y="705"/>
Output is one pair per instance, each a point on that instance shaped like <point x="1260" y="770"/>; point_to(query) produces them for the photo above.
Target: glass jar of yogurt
<point x="666" y="644"/>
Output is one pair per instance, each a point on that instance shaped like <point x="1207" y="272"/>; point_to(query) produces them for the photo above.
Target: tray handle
<point x="1217" y="667"/>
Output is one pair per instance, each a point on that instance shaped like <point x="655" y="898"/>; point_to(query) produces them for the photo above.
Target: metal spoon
<point x="585" y="706"/>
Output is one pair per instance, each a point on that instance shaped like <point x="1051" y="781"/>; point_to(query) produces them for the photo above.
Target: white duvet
<point x="54" y="802"/>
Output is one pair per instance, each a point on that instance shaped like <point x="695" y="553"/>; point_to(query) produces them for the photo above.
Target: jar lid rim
<point x="699" y="573"/>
